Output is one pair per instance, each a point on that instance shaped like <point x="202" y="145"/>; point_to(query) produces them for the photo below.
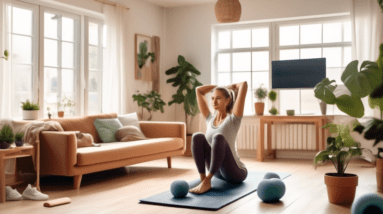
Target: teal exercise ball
<point x="271" y="175"/>
<point x="271" y="190"/>
<point x="179" y="188"/>
<point x="368" y="203"/>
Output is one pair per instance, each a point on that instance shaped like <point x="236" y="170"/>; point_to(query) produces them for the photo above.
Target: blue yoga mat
<point x="220" y="195"/>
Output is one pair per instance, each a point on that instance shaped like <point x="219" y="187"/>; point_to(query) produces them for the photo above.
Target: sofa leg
<point x="77" y="181"/>
<point x="169" y="162"/>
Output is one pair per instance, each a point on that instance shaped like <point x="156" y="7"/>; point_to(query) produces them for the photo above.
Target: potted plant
<point x="49" y="112"/>
<point x="260" y="93"/>
<point x="151" y="101"/>
<point x="30" y="110"/>
<point x="19" y="139"/>
<point x="6" y="137"/>
<point x="340" y="149"/>
<point x="367" y="82"/>
<point x="66" y="102"/>
<point x="273" y="97"/>
<point x="186" y="80"/>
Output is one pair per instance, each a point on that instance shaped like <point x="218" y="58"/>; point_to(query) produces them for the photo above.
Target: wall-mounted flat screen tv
<point x="300" y="73"/>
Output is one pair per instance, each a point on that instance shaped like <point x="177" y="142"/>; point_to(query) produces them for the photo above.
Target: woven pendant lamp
<point x="228" y="11"/>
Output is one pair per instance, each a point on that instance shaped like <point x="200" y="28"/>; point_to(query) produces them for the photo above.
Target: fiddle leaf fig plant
<point x="360" y="84"/>
<point x="186" y="81"/>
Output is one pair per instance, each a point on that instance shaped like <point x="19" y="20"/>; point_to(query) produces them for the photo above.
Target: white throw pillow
<point x="129" y="120"/>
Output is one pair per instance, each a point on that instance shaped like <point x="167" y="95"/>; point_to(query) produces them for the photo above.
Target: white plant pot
<point x="30" y="114"/>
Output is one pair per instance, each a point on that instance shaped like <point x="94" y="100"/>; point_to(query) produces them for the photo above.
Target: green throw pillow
<point x="107" y="129"/>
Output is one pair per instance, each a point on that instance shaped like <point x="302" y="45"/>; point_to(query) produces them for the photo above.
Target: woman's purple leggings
<point x="217" y="157"/>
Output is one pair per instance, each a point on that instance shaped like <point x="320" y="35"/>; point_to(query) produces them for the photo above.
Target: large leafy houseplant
<point x="367" y="82"/>
<point x="151" y="101"/>
<point x="341" y="187"/>
<point x="340" y="148"/>
<point x="186" y="81"/>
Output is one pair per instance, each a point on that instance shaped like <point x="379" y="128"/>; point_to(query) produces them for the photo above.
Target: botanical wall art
<point x="144" y="57"/>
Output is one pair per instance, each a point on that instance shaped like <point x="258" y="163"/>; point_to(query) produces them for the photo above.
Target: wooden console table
<point x="18" y="152"/>
<point x="318" y="120"/>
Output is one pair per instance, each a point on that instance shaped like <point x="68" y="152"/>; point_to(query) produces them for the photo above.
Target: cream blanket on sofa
<point x="31" y="130"/>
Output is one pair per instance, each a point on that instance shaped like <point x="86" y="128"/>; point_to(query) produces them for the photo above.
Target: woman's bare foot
<point x="203" y="187"/>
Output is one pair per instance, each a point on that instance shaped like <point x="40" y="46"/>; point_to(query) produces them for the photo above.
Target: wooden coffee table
<point x="18" y="152"/>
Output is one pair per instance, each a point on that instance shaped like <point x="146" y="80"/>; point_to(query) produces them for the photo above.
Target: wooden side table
<point x="318" y="120"/>
<point x="18" y="152"/>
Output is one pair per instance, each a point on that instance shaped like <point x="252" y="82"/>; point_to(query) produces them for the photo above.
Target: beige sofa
<point x="60" y="156"/>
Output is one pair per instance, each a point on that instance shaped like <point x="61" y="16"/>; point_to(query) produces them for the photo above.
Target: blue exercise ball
<point x="271" y="190"/>
<point x="368" y="203"/>
<point x="271" y="175"/>
<point x="179" y="188"/>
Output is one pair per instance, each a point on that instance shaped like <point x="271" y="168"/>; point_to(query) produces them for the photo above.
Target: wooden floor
<point x="119" y="190"/>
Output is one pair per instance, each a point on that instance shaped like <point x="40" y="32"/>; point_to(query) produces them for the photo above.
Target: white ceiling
<point x="177" y="3"/>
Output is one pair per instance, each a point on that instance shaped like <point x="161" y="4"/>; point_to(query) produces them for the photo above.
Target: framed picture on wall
<point x="143" y="57"/>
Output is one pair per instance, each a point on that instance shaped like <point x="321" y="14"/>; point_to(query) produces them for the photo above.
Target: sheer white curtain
<point x="366" y="24"/>
<point x="114" y="59"/>
<point x="5" y="73"/>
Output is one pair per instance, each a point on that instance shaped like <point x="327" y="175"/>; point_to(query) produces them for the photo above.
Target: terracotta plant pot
<point x="379" y="174"/>
<point x="341" y="190"/>
<point x="60" y="113"/>
<point x="259" y="108"/>
<point x="4" y="145"/>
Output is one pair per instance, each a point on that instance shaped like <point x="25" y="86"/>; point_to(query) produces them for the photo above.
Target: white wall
<point x="147" y="19"/>
<point x="188" y="29"/>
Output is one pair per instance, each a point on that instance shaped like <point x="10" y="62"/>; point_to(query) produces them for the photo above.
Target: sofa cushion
<point x="123" y="150"/>
<point x="129" y="119"/>
<point x="129" y="133"/>
<point x="107" y="129"/>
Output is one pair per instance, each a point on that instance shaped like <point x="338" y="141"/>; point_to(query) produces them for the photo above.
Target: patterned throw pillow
<point x="107" y="129"/>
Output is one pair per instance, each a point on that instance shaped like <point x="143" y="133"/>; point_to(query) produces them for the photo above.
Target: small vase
<point x="19" y="143"/>
<point x="323" y="107"/>
<point x="4" y="145"/>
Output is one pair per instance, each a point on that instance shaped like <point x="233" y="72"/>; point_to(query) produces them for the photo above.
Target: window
<point x="23" y="41"/>
<point x="51" y="61"/>
<point x="95" y="47"/>
<point x="244" y="53"/>
<point x="61" y="54"/>
<point x="330" y="39"/>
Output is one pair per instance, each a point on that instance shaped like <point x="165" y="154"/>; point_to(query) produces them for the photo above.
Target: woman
<point x="217" y="148"/>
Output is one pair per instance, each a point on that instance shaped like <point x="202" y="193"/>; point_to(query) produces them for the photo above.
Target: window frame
<point x="76" y="61"/>
<point x="100" y="65"/>
<point x="35" y="38"/>
<point x="274" y="46"/>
